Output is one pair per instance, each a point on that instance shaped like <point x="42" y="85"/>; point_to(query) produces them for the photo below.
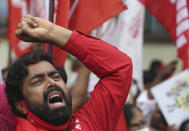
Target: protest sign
<point x="172" y="97"/>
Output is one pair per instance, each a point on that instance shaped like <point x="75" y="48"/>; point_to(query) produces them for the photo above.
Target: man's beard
<point x="56" y="116"/>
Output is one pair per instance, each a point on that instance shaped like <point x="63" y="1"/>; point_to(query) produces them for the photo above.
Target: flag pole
<point x="51" y="19"/>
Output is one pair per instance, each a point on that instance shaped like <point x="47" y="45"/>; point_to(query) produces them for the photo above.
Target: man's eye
<point x="36" y="82"/>
<point x="56" y="77"/>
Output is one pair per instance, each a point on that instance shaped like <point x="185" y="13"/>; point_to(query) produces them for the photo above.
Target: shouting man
<point x="36" y="87"/>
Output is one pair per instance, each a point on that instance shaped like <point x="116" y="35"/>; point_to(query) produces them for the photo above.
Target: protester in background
<point x="103" y="108"/>
<point x="145" y="100"/>
<point x="6" y="116"/>
<point x="134" y="118"/>
<point x="155" y="68"/>
<point x="147" y="79"/>
<point x="136" y="122"/>
<point x="79" y="89"/>
<point x="184" y="126"/>
<point x="158" y="122"/>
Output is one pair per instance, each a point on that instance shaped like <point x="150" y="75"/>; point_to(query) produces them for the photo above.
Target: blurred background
<point x="158" y="44"/>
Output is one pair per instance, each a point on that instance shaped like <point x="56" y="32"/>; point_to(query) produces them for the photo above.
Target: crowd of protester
<point x="141" y="112"/>
<point x="147" y="105"/>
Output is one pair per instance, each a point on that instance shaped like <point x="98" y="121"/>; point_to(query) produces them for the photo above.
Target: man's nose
<point x="49" y="82"/>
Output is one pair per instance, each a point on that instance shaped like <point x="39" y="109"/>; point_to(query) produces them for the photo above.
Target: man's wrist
<point x="59" y="35"/>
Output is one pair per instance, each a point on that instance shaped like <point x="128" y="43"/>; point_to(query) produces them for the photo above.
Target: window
<point x="154" y="31"/>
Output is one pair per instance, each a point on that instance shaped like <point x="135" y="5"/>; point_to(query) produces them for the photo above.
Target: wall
<point x="162" y="51"/>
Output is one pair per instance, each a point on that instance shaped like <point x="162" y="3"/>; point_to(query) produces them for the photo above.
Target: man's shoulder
<point x="82" y="120"/>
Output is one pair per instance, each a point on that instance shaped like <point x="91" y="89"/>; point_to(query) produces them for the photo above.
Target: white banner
<point x="37" y="8"/>
<point x="126" y="33"/>
<point x="172" y="97"/>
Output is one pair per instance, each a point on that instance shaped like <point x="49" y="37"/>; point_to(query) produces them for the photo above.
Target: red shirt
<point x="103" y="109"/>
<point x="121" y="126"/>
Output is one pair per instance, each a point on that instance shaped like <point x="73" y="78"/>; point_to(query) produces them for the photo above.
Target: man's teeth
<point x="55" y="95"/>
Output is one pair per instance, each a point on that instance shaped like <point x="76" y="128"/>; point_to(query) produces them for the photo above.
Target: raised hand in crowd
<point x="166" y="72"/>
<point x="163" y="74"/>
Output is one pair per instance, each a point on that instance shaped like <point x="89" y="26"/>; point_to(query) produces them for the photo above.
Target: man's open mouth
<point x="56" y="100"/>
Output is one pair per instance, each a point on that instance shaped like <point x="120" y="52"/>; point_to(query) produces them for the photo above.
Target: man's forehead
<point x="40" y="67"/>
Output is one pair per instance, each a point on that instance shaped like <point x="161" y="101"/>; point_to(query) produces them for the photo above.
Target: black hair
<point x="147" y="77"/>
<point x="18" y="71"/>
<point x="183" y="125"/>
<point x="128" y="113"/>
<point x="154" y="67"/>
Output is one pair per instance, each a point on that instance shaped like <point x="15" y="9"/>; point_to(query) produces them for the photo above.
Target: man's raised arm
<point x="34" y="29"/>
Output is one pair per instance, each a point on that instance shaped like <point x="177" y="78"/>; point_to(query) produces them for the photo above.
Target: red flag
<point x="17" y="10"/>
<point x="61" y="12"/>
<point x="173" y="15"/>
<point x="14" y="17"/>
<point x="86" y="15"/>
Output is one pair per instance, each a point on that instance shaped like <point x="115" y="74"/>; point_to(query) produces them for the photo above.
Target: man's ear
<point x="20" y="107"/>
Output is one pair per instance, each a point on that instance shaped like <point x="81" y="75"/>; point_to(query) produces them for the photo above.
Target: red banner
<point x="174" y="16"/>
<point x="62" y="12"/>
<point x="83" y="15"/>
<point x="80" y="15"/>
<point x="17" y="10"/>
<point x="14" y="17"/>
<point x="86" y="15"/>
